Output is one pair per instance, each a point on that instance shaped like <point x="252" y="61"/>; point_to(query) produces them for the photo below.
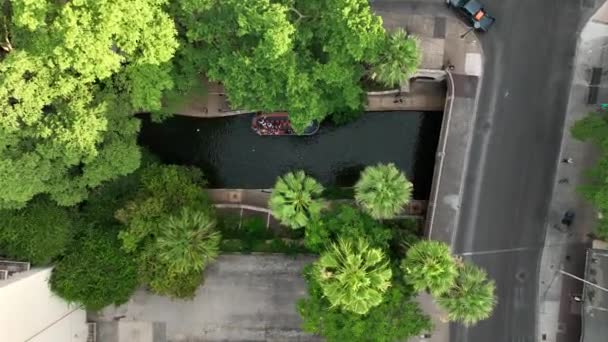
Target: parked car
<point x="474" y="12"/>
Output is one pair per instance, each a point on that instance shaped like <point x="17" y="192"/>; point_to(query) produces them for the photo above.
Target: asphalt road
<point x="511" y="166"/>
<point x="514" y="154"/>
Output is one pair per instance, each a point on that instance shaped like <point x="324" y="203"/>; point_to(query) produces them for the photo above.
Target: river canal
<point x="233" y="156"/>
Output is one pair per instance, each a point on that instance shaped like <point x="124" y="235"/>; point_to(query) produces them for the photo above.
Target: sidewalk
<point x="440" y="33"/>
<point x="559" y="316"/>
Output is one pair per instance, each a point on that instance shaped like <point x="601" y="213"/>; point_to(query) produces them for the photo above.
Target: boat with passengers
<point x="277" y="123"/>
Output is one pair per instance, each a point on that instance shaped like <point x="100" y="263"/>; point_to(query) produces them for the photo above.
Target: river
<point x="233" y="156"/>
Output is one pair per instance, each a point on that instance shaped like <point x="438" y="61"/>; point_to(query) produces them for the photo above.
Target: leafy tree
<point x="594" y="128"/>
<point x="472" y="297"/>
<point x="37" y="233"/>
<point x="348" y="223"/>
<point x="353" y="276"/>
<point x="188" y="242"/>
<point x="170" y="229"/>
<point x="295" y="199"/>
<point x="95" y="272"/>
<point x="429" y="265"/>
<point x="305" y="57"/>
<point x="71" y="74"/>
<point x="382" y="191"/>
<point x="396" y="318"/>
<point x="399" y="60"/>
<point x="161" y="280"/>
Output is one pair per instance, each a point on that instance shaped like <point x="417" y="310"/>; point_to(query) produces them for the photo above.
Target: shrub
<point x="170" y="229"/>
<point x="396" y="318"/>
<point x="346" y="222"/>
<point x="37" y="233"/>
<point x="95" y="272"/>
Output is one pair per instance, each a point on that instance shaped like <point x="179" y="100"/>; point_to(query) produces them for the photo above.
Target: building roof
<point x="595" y="301"/>
<point x="29" y="311"/>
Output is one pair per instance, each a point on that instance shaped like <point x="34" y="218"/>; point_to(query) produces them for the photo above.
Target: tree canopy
<point x="398" y="61"/>
<point x="306" y="57"/>
<point x="37" y="233"/>
<point x="348" y="223"/>
<point x="295" y="199"/>
<point x="71" y="75"/>
<point x="382" y="191"/>
<point x="429" y="265"/>
<point x="95" y="272"/>
<point x="396" y="318"/>
<point x="170" y="229"/>
<point x="353" y="276"/>
<point x="471" y="298"/>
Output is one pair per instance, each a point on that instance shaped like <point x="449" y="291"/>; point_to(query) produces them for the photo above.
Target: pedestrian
<point x="563" y="181"/>
<point x="568" y="218"/>
<point x="568" y="160"/>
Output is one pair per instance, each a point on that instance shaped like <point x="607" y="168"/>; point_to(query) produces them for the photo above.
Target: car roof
<point x="472" y="7"/>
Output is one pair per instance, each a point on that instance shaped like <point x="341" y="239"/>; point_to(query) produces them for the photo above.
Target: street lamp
<point x="583" y="280"/>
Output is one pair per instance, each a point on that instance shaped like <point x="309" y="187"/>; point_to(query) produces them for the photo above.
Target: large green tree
<point x="295" y="199"/>
<point x="398" y="61"/>
<point x="95" y="272"/>
<point x="170" y="229"/>
<point x="471" y="298"/>
<point x="382" y="191"/>
<point x="396" y="318"/>
<point x="429" y="266"/>
<point x="302" y="56"/>
<point x="353" y="276"/>
<point x="188" y="242"/>
<point x="71" y="75"/>
<point x="37" y="233"/>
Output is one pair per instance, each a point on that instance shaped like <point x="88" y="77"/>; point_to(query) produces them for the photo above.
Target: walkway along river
<point x="233" y="156"/>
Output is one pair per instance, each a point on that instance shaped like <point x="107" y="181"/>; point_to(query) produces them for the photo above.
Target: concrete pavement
<point x="565" y="247"/>
<point x="511" y="166"/>
<point x="244" y="298"/>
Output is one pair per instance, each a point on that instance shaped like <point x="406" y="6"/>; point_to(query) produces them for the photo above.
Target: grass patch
<point x="337" y="193"/>
<point x="253" y="236"/>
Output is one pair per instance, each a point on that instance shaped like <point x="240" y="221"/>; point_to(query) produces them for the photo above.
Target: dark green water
<point x="233" y="156"/>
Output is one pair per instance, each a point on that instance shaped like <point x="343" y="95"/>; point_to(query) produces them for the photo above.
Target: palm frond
<point x="295" y="199"/>
<point x="353" y="276"/>
<point x="382" y="191"/>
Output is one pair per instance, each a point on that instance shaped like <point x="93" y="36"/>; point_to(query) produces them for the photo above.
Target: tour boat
<point x="277" y="123"/>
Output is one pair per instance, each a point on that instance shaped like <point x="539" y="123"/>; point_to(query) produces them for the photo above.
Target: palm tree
<point x="353" y="276"/>
<point x="429" y="265"/>
<point x="382" y="191"/>
<point x="399" y="61"/>
<point x="188" y="242"/>
<point x="295" y="199"/>
<point x="472" y="297"/>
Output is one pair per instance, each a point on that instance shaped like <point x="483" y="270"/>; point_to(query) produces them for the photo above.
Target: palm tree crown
<point x="429" y="265"/>
<point x="472" y="297"/>
<point x="295" y="199"/>
<point x="188" y="242"/>
<point x="382" y="191"/>
<point x="353" y="276"/>
<point x="399" y="61"/>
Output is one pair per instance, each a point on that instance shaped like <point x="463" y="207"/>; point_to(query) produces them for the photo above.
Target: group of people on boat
<point x="273" y="126"/>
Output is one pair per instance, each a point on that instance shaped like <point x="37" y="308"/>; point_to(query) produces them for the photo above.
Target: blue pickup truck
<point x="474" y="12"/>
